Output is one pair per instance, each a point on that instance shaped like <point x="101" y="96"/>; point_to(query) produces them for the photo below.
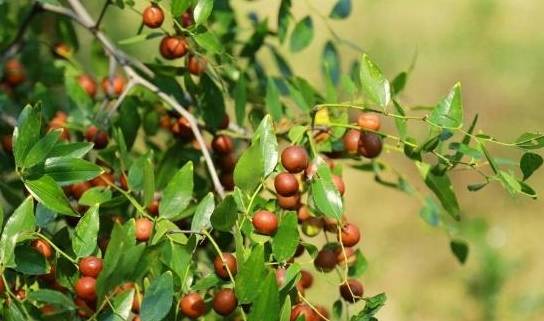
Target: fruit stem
<point x="68" y="257"/>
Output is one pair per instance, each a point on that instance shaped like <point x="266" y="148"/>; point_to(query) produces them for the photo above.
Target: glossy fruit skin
<point x="90" y="266"/>
<point x="369" y="121"/>
<point x="136" y="318"/>
<point x="2" y="286"/>
<point x="123" y="181"/>
<point x="224" y="302"/>
<point x="370" y="145"/>
<point x="294" y="159"/>
<point x="192" y="305"/>
<point x="227" y="180"/>
<point x="136" y="302"/>
<point x="182" y="128"/>
<point x="172" y="47"/>
<point x="85" y="288"/>
<point x="43" y="248"/>
<point x="306" y="279"/>
<point x="303" y="214"/>
<point x="153" y="17"/>
<point x="83" y="309"/>
<point x="303" y="310"/>
<point x="350" y="235"/>
<point x="78" y="189"/>
<point x="280" y="276"/>
<point x="339" y="182"/>
<point x="97" y="136"/>
<point x="187" y="19"/>
<point x="227" y="162"/>
<point x="221" y="268"/>
<point x="88" y="84"/>
<point x="144" y="228"/>
<point x="59" y="122"/>
<point x="265" y="222"/>
<point x="113" y="87"/>
<point x="222" y="144"/>
<point x="153" y="207"/>
<point x="286" y="184"/>
<point x="14" y="72"/>
<point x="351" y="141"/>
<point x="325" y="260"/>
<point x="356" y="292"/>
<point x="196" y="65"/>
<point x="349" y="255"/>
<point x="290" y="202"/>
<point x="325" y="315"/>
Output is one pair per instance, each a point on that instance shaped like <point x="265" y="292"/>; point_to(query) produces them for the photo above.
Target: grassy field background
<point x="495" y="49"/>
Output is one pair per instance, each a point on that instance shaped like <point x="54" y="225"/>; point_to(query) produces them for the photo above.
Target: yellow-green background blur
<point x="496" y="49"/>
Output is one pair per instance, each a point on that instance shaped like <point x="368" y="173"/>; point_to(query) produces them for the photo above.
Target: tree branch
<point x="80" y="15"/>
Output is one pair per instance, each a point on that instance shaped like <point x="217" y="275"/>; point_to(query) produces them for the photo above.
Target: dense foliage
<point x="203" y="182"/>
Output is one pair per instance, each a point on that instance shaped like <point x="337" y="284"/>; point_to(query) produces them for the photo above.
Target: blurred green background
<point x="495" y="48"/>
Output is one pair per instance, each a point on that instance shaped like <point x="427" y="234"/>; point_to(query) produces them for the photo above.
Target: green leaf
<point x="44" y="216"/>
<point x="141" y="177"/>
<point x="209" y="41"/>
<point x="46" y="191"/>
<point x="302" y="35"/>
<point x="460" y="249"/>
<point x="41" y="149"/>
<point x="249" y="170"/>
<point x="121" y="306"/>
<point x="359" y="267"/>
<point x="398" y="84"/>
<point x="286" y="239"/>
<point x="250" y="275"/>
<point x="202" y="11"/>
<point x="272" y="100"/>
<point x="268" y="143"/>
<point x="341" y="10"/>
<point x="94" y="196"/>
<point x="20" y="222"/>
<point x="178" y="257"/>
<point x="529" y="163"/>
<point x="73" y="150"/>
<point x="267" y="304"/>
<point x="86" y="233"/>
<point x="324" y="193"/>
<point x="204" y="210"/>
<point x="449" y="111"/>
<point x="509" y="182"/>
<point x="26" y="133"/>
<point x="178" y="193"/>
<point x="331" y="62"/>
<point x="68" y="170"/>
<point x="530" y="141"/>
<point x="139" y="38"/>
<point x="225" y="214"/>
<point x="372" y="306"/>
<point x="129" y="119"/>
<point x="177" y="7"/>
<point x="30" y="261"/>
<point x="285" y="314"/>
<point x="284" y="18"/>
<point x="400" y="123"/>
<point x="158" y="298"/>
<point x="374" y="85"/>
<point x="430" y="212"/>
<point x="296" y="133"/>
<point x="442" y="188"/>
<point x="212" y="102"/>
<point x="51" y="297"/>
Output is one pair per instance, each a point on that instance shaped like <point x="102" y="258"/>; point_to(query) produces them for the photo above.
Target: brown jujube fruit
<point x="323" y="314"/>
<point x="153" y="17"/>
<point x="227" y="180"/>
<point x="303" y="310"/>
<point x="14" y="72"/>
<point x="88" y="84"/>
<point x="224" y="302"/>
<point x="7" y="144"/>
<point x="144" y="228"/>
<point x="187" y="19"/>
<point x="350" y="235"/>
<point x="196" y="65"/>
<point x="90" y="266"/>
<point x="294" y="159"/>
<point x="97" y="136"/>
<point x="85" y="288"/>
<point x="221" y="267"/>
<point x="136" y="302"/>
<point x="289" y="202"/>
<point x="192" y="305"/>
<point x="43" y="248"/>
<point x="286" y="184"/>
<point x="83" y="309"/>
<point x="182" y="128"/>
<point x="153" y="207"/>
<point x="351" y="291"/>
<point x="280" y="276"/>
<point x="325" y="260"/>
<point x="369" y="121"/>
<point x="227" y="162"/>
<point x="114" y="86"/>
<point x="303" y="214"/>
<point x="78" y="189"/>
<point x="349" y="255"/>
<point x="103" y="180"/>
<point x="370" y="145"/>
<point x="172" y="47"/>
<point x="306" y="279"/>
<point x="351" y="141"/>
<point x="265" y="222"/>
<point x="222" y="144"/>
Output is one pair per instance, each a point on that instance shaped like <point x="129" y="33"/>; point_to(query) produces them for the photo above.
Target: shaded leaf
<point x="529" y="163"/>
<point x="460" y="250"/>
<point x="302" y="35"/>
<point x="341" y="10"/>
<point x="86" y="233"/>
